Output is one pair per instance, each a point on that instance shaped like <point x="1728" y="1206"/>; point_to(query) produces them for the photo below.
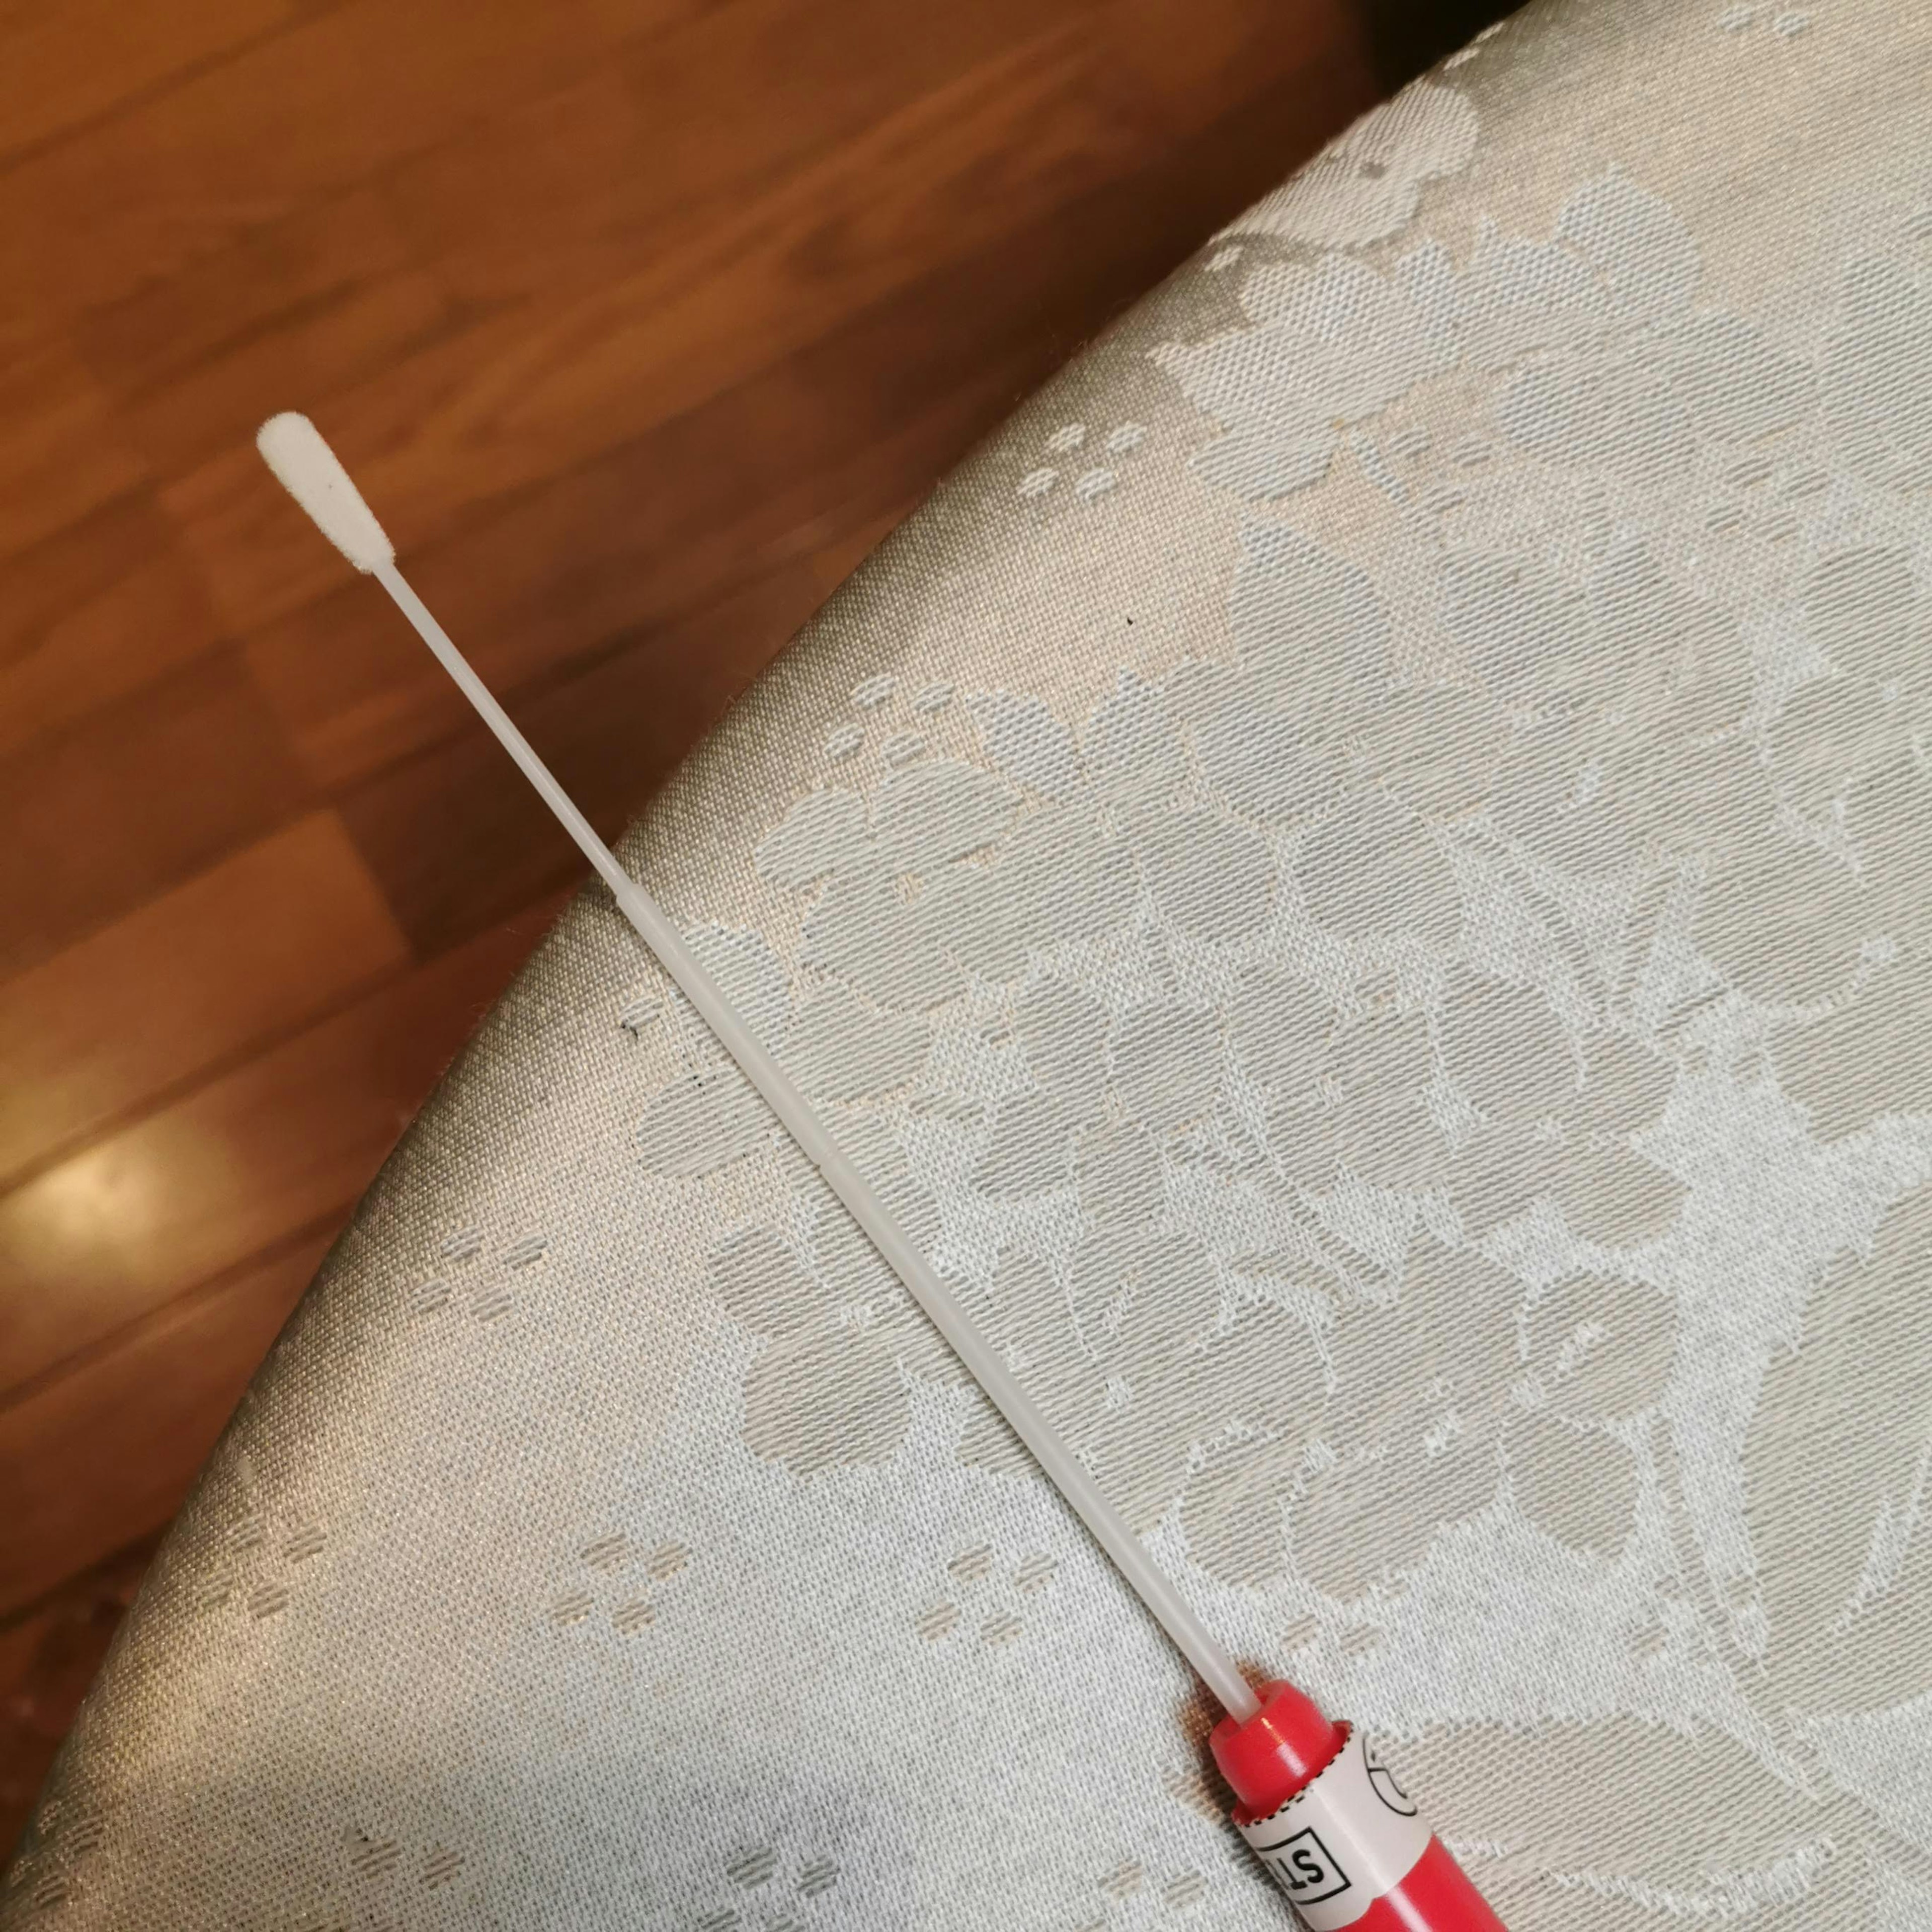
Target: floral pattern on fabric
<point x="1346" y="998"/>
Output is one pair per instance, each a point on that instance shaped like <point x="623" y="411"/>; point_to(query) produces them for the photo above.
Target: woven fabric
<point x="1360" y="878"/>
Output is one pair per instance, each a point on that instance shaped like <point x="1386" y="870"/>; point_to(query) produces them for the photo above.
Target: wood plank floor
<point x="640" y="321"/>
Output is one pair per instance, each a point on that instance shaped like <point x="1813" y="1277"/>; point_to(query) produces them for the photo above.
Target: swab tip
<point x="312" y="473"/>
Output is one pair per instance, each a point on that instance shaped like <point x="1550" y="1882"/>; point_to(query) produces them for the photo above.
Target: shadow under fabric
<point x="1464" y="941"/>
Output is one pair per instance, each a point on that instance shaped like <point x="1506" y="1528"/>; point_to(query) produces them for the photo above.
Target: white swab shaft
<point x="796" y="1113"/>
<point x="294" y="448"/>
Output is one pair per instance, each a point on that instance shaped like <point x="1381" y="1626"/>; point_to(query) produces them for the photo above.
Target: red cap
<point x="1269" y="1757"/>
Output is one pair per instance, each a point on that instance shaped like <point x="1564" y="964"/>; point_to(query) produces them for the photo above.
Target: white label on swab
<point x="1337" y="1846"/>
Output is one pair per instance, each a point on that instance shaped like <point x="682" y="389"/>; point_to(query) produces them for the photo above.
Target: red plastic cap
<point x="1436" y="1897"/>
<point x="1279" y="1751"/>
<point x="1269" y="1757"/>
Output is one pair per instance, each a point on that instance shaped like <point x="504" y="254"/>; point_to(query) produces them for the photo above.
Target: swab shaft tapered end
<point x="292" y="447"/>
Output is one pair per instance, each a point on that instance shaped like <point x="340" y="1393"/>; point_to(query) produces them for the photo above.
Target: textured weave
<point x="1363" y="877"/>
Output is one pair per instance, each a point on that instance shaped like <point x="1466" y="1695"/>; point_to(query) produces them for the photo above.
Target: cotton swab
<point x="1372" y="1861"/>
<point x="311" y="472"/>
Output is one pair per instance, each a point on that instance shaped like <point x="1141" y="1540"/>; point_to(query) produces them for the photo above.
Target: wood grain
<point x="288" y="120"/>
<point x="109" y="603"/>
<point x="63" y="454"/>
<point x="139" y="795"/>
<point x="517" y="398"/>
<point x="640" y="321"/>
<point x="567" y="191"/>
<point x="70" y="60"/>
<point x="307" y="305"/>
<point x="290" y="1137"/>
<point x="170" y="1382"/>
<point x="188" y="981"/>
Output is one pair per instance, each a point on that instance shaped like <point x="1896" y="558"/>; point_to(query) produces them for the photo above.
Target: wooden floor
<point x="639" y="321"/>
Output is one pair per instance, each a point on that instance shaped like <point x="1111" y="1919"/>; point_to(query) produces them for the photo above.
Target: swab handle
<point x="1321" y="1810"/>
<point x="796" y="1114"/>
<point x="295" y="451"/>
